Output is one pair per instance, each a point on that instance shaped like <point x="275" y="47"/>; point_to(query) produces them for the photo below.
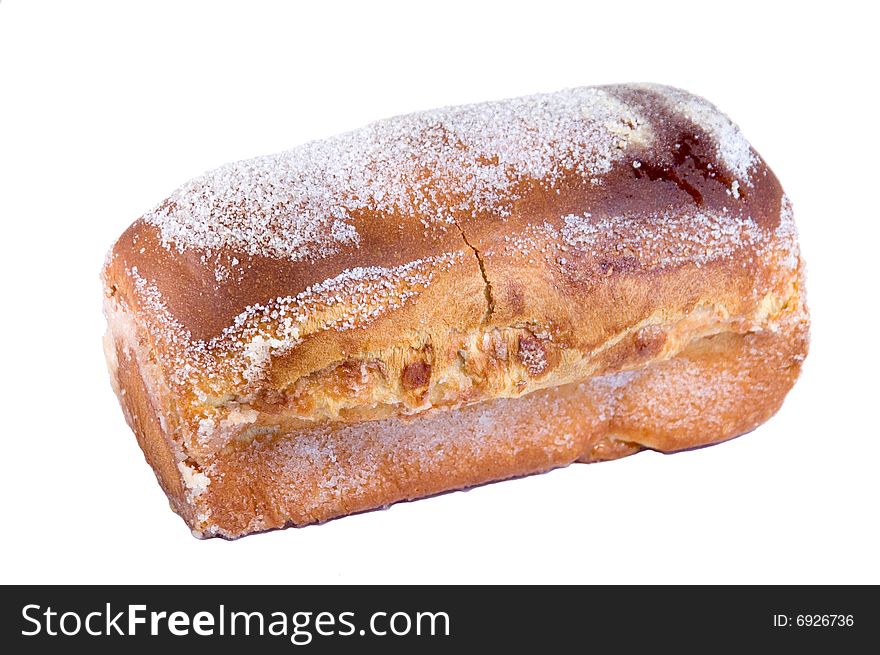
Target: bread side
<point x="719" y="386"/>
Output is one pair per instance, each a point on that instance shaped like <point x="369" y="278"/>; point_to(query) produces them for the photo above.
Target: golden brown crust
<point x="467" y="259"/>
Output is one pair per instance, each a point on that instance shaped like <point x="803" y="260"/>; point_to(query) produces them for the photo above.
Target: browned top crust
<point x="456" y="255"/>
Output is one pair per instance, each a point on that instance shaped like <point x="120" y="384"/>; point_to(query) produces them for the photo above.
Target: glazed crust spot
<point x="649" y="340"/>
<point x="641" y="346"/>
<point x="416" y="375"/>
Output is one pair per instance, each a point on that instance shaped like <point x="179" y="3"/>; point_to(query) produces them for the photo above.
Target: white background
<point x="105" y="108"/>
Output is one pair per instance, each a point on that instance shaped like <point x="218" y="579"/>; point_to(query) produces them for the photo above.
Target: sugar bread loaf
<point x="451" y="297"/>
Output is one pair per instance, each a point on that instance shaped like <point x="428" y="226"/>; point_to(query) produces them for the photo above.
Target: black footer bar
<point x="438" y="619"/>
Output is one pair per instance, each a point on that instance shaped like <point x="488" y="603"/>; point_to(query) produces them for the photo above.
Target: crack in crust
<point x="490" y="300"/>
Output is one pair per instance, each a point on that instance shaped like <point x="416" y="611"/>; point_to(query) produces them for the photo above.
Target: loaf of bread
<point x="451" y="297"/>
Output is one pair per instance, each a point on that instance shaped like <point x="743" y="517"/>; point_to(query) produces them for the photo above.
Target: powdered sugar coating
<point x="787" y="236"/>
<point x="666" y="240"/>
<point x="464" y="160"/>
<point x="532" y="240"/>
<point x="733" y="149"/>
